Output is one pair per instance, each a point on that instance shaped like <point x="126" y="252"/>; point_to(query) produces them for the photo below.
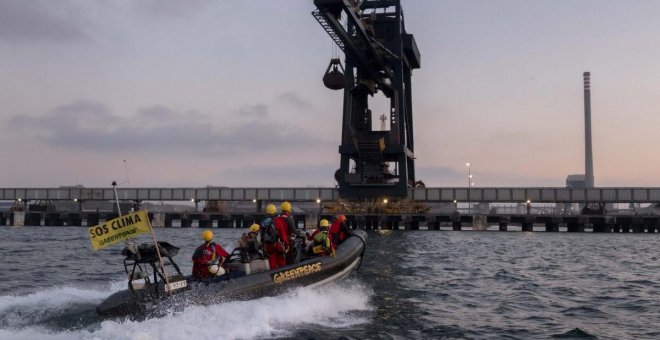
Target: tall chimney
<point x="588" y="157"/>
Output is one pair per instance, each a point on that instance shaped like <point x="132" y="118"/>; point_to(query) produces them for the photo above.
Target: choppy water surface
<point x="454" y="285"/>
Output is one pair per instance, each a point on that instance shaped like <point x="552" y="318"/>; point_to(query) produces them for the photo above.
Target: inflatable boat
<point x="151" y="289"/>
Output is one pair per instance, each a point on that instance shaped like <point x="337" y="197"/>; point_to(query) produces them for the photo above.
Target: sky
<point x="163" y="93"/>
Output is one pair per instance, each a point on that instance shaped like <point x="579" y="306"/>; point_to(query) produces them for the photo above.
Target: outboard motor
<point x="333" y="77"/>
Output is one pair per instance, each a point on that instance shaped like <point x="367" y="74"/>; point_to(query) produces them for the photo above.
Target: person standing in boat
<point x="275" y="238"/>
<point x="339" y="231"/>
<point x="286" y="214"/>
<point x="208" y="258"/>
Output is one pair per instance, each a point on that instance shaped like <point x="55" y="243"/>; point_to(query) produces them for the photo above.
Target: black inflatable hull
<point x="312" y="272"/>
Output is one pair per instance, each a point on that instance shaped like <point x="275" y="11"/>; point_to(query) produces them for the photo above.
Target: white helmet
<point x="216" y="270"/>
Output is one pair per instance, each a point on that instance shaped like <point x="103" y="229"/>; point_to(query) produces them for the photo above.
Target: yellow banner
<point x="121" y="228"/>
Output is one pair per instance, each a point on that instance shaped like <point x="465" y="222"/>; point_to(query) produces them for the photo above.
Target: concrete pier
<point x="456" y="222"/>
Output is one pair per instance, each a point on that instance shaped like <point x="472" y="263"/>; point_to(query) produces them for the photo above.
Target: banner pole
<point x="153" y="234"/>
<point x="114" y="188"/>
<point x="160" y="258"/>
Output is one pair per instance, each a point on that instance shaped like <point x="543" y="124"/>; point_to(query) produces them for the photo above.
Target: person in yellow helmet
<point x="321" y="244"/>
<point x="275" y="238"/>
<point x="250" y="244"/>
<point x="208" y="258"/>
<point x="286" y="217"/>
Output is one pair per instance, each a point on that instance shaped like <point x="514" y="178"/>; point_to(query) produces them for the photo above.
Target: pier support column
<point x="551" y="227"/>
<point x="638" y="228"/>
<point x="372" y="222"/>
<point x="217" y="219"/>
<point x="167" y="221"/>
<point x="207" y="223"/>
<point x="575" y="227"/>
<point x="32" y="219"/>
<point x="74" y="219"/>
<point x="18" y="218"/>
<point x="434" y="225"/>
<point x="92" y="219"/>
<point x="236" y="221"/>
<point x="393" y="222"/>
<point x="602" y="228"/>
<point x="157" y="219"/>
<point x="610" y="228"/>
<point x="503" y="226"/>
<point x="527" y="226"/>
<point x="625" y="228"/>
<point x="456" y="220"/>
<point x="360" y="223"/>
<point x="53" y="219"/>
<point x="3" y="219"/>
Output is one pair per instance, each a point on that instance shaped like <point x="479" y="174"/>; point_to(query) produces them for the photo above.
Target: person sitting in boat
<point x="321" y="244"/>
<point x="208" y="258"/>
<point x="286" y="215"/>
<point x="250" y="244"/>
<point x="339" y="231"/>
<point x="275" y="239"/>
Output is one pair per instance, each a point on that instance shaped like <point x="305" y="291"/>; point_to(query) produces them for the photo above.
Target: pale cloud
<point x="92" y="126"/>
<point x="292" y="98"/>
<point x="37" y="21"/>
<point x="254" y="111"/>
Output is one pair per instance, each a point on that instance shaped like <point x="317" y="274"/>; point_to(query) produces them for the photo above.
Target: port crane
<point x="379" y="57"/>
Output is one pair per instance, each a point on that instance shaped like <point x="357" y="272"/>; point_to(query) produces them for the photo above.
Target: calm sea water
<point x="452" y="285"/>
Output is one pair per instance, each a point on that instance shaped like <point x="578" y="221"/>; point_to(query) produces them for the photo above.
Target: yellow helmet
<point x="270" y="209"/>
<point x="207" y="235"/>
<point x="324" y="223"/>
<point x="286" y="206"/>
<point x="254" y="228"/>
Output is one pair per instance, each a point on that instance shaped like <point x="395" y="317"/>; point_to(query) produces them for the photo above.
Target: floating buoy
<point x="333" y="77"/>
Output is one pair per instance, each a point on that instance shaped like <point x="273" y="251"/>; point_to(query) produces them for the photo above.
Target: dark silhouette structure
<point x="379" y="58"/>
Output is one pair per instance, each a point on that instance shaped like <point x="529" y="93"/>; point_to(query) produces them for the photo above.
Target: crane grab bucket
<point x="334" y="75"/>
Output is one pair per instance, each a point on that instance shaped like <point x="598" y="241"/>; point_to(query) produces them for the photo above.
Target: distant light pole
<point x="469" y="166"/>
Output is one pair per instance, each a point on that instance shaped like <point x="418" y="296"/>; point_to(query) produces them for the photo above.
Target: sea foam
<point x="331" y="306"/>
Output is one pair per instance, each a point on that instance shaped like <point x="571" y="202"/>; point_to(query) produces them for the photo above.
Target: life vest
<point x="322" y="243"/>
<point x="269" y="233"/>
<point x="282" y="229"/>
<point x="205" y="255"/>
<point x="252" y="242"/>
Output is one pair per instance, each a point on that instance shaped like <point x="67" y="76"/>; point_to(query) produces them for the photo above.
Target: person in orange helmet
<point x="339" y="231"/>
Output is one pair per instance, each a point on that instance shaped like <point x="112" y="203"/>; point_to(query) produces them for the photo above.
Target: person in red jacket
<point x="293" y="255"/>
<point x="284" y="244"/>
<point x="339" y="231"/>
<point x="275" y="238"/>
<point x="208" y="258"/>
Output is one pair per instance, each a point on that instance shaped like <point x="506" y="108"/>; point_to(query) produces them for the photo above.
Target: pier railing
<point x="491" y="195"/>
